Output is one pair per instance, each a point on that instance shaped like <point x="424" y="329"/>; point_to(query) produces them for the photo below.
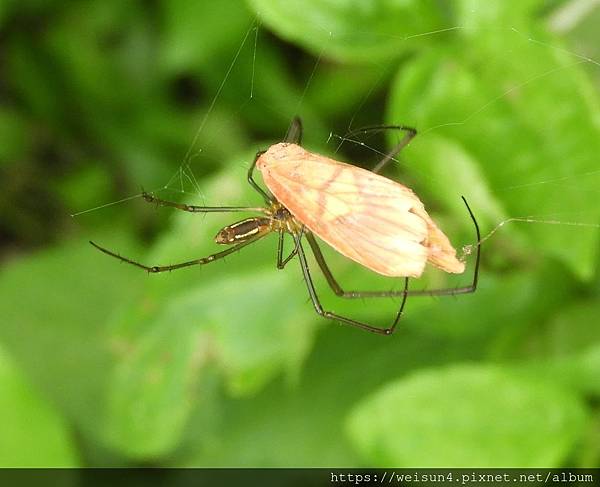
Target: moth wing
<point x="364" y="216"/>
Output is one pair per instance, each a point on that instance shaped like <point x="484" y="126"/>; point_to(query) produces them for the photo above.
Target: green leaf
<point x="568" y="333"/>
<point x="348" y="365"/>
<point x="351" y="30"/>
<point x="238" y="318"/>
<point x="153" y="385"/>
<point x="467" y="416"/>
<point x="14" y="140"/>
<point x="567" y="347"/>
<point x="493" y="92"/>
<point x="33" y="435"/>
<point x="473" y="14"/>
<point x="588" y="368"/>
<point x="579" y="31"/>
<point x="270" y="429"/>
<point x="4" y="8"/>
<point x="224" y="327"/>
<point x="507" y="308"/>
<point x="54" y="306"/>
<point x="195" y="35"/>
<point x="442" y="159"/>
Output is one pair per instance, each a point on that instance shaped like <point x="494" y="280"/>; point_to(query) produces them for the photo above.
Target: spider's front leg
<point x="150" y="198"/>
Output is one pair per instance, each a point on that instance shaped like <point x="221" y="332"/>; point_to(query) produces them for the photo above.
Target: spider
<point x="370" y="219"/>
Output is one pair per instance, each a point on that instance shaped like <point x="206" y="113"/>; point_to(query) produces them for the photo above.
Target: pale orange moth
<point x="369" y="218"/>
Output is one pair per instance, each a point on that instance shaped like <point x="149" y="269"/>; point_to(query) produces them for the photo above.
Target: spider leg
<point x="157" y="268"/>
<point x="333" y="316"/>
<point x="337" y="289"/>
<point x="281" y="262"/>
<point x="294" y="133"/>
<point x="268" y="199"/>
<point x="150" y="198"/>
<point x="408" y="136"/>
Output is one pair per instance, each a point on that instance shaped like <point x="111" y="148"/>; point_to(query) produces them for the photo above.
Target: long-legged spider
<point x="412" y="237"/>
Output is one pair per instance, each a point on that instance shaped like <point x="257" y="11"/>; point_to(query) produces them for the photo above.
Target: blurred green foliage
<point x="227" y="365"/>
